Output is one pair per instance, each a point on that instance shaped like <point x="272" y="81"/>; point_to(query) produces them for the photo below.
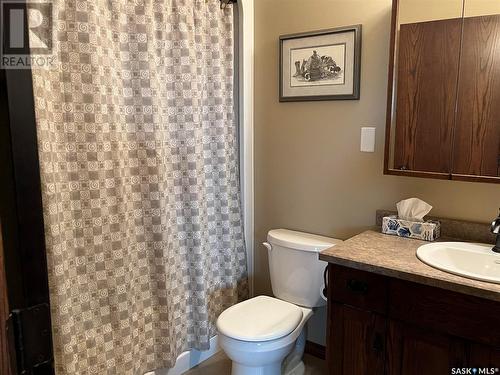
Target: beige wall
<point x="310" y="175"/>
<point x="411" y="11"/>
<point x="474" y="8"/>
<point x="431" y="10"/>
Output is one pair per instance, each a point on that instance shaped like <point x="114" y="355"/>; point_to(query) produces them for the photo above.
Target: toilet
<point x="266" y="335"/>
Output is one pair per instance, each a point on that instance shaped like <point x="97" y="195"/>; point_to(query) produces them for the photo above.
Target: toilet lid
<point x="259" y="319"/>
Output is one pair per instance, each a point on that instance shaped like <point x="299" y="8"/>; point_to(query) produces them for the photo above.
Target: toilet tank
<point x="294" y="265"/>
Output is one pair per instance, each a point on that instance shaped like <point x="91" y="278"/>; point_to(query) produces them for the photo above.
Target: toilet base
<point x="291" y="365"/>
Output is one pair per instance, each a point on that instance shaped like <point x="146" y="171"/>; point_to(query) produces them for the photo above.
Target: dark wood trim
<point x="20" y="200"/>
<point x="8" y="208"/>
<point x="408" y="173"/>
<point x="21" y="210"/>
<point x="28" y="197"/>
<point x="4" y="313"/>
<point x="20" y="195"/>
<point x="330" y="360"/>
<point x="390" y="85"/>
<point x="469" y="178"/>
<point x="442" y="176"/>
<point x="316" y="350"/>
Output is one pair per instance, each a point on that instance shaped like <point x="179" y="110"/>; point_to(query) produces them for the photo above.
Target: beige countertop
<point x="396" y="257"/>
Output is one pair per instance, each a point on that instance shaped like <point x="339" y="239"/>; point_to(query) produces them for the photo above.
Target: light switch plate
<point x="367" y="139"/>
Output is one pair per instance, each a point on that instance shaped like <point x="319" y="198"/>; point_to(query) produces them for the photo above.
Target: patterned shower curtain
<point x="139" y="167"/>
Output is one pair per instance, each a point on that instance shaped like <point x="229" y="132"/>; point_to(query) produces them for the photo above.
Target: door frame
<point x="246" y="120"/>
<point x="21" y="211"/>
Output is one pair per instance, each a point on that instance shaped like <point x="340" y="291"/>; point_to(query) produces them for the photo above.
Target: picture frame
<point x="320" y="65"/>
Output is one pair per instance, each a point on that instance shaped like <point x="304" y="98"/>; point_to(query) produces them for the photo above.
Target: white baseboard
<point x="189" y="359"/>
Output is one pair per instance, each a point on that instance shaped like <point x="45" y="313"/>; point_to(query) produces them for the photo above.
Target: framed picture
<point x="320" y="65"/>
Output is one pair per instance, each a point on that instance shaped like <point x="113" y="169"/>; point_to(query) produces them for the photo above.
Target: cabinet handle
<point x="357" y="286"/>
<point x="378" y="343"/>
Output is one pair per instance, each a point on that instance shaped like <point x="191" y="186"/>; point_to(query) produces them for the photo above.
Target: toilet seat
<point x="261" y="319"/>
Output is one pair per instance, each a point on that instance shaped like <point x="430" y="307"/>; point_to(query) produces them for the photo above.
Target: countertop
<point x="396" y="257"/>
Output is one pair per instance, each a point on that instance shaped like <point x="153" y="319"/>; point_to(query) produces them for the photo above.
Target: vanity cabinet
<point x="383" y="325"/>
<point x="484" y="354"/>
<point x="358" y="341"/>
<point x="412" y="350"/>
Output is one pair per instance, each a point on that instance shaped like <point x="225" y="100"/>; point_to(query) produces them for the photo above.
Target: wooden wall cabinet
<point x="429" y="53"/>
<point x="477" y="127"/>
<point x="443" y="116"/>
<point x="381" y="325"/>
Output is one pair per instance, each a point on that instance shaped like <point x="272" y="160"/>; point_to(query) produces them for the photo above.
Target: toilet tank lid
<point x="300" y="240"/>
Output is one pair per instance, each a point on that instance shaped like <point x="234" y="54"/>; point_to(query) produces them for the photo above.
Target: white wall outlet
<point x="367" y="139"/>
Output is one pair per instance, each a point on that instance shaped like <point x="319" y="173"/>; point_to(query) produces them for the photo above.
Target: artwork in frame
<point x="320" y="65"/>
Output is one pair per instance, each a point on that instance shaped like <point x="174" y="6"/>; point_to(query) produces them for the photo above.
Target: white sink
<point x="474" y="261"/>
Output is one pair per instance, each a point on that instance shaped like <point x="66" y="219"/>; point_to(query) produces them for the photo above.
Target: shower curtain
<point x="139" y="166"/>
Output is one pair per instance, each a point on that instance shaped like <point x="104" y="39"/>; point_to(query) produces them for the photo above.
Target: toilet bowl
<point x="259" y="333"/>
<point x="266" y="335"/>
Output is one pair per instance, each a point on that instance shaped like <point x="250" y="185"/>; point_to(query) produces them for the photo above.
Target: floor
<point x="219" y="364"/>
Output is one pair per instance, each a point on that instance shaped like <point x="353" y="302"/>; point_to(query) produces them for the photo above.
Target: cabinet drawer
<point x="361" y="289"/>
<point x="445" y="311"/>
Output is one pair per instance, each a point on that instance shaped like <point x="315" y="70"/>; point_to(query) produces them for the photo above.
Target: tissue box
<point x="429" y="230"/>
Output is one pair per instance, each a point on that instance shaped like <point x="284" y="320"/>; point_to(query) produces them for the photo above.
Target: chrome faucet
<point x="495" y="229"/>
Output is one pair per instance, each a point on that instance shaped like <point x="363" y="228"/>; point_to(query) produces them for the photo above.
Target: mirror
<point x="443" y="118"/>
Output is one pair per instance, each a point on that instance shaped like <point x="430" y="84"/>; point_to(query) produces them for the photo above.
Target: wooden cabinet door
<point x="414" y="351"/>
<point x="484" y="356"/>
<point x="428" y="63"/>
<point x="356" y="341"/>
<point x="477" y="130"/>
